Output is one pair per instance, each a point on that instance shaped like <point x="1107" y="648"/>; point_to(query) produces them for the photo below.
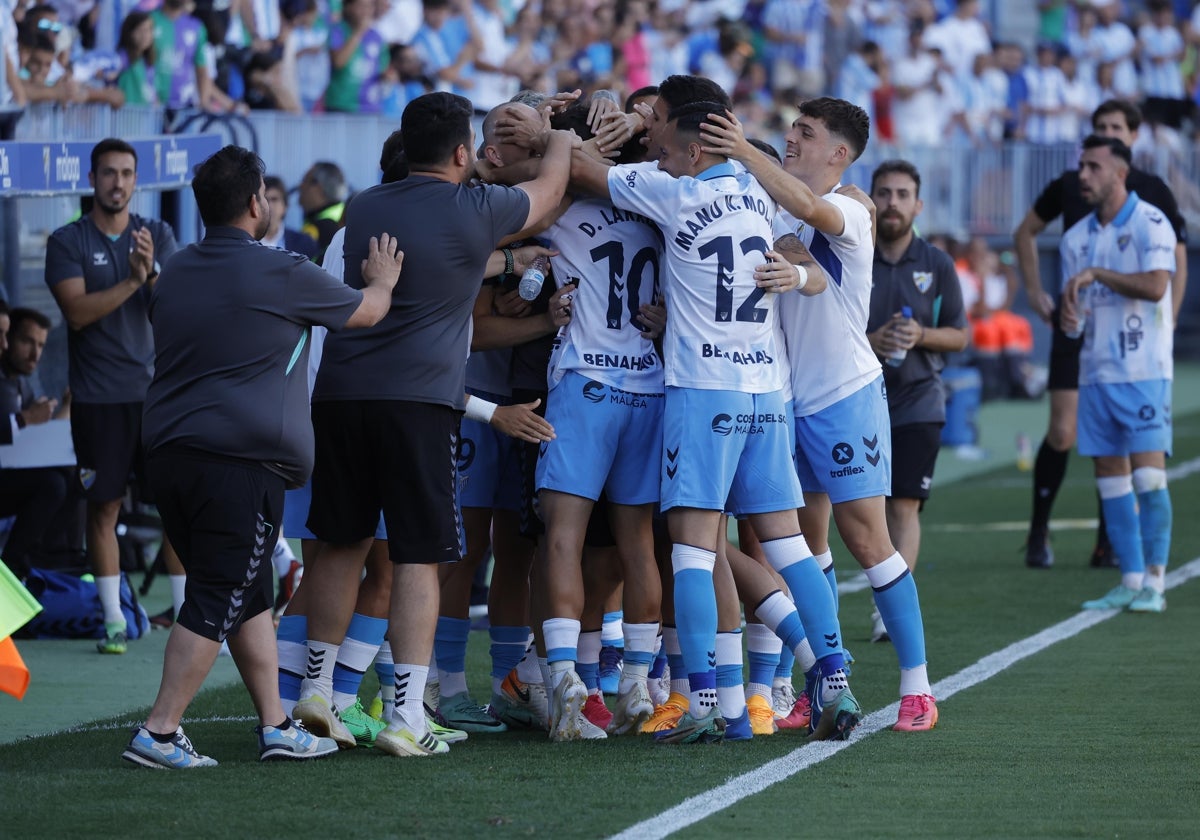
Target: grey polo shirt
<point x="111" y="360"/>
<point x="925" y="280"/>
<point x="418" y="352"/>
<point x="231" y="324"/>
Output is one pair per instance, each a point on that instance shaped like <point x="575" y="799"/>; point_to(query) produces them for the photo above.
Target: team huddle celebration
<point x="640" y="363"/>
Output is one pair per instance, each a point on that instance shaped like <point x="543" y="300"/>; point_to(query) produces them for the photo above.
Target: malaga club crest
<point x="922" y="280"/>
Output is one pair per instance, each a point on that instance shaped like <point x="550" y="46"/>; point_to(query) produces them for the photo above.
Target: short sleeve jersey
<point x="231" y="326"/>
<point x="827" y="333"/>
<point x="112" y="359"/>
<point x="181" y="46"/>
<point x="716" y="228"/>
<point x="352" y="87"/>
<point x="1125" y="340"/>
<point x="418" y="351"/>
<point x="614" y="258"/>
<point x="923" y="279"/>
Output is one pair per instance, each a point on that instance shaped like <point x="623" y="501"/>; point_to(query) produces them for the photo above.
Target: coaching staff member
<point x="226" y="429"/>
<point x="908" y="271"/>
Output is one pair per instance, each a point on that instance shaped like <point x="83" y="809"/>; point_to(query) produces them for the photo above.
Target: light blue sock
<point x="356" y="653"/>
<point x="896" y="597"/>
<point x="507" y="649"/>
<point x="1124" y="532"/>
<point x="696" y="623"/>
<point x="787" y="659"/>
<point x="731" y="692"/>
<point x="587" y="659"/>
<point x="611" y="629"/>
<point x="291" y="640"/>
<point x="825" y="561"/>
<point x="761" y="655"/>
<point x="810" y="592"/>
<point x="1154" y="514"/>
<point x="450" y="650"/>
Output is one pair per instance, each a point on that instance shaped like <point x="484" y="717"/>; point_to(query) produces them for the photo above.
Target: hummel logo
<point x="873" y="458"/>
<point x="712" y="659"/>
<point x="871" y="443"/>
<point x="831" y="640"/>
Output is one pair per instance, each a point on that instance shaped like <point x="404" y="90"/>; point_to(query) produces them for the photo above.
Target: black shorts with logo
<point x="390" y="455"/>
<point x="108" y="449"/>
<point x="914" y="455"/>
<point x="222" y="516"/>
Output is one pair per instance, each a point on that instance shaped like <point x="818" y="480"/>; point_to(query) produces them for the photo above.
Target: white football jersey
<point x="826" y="334"/>
<point x="716" y="228"/>
<point x="614" y="258"/>
<point x="1125" y="340"/>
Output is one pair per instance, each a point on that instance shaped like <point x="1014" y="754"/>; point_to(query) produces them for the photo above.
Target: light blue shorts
<point x="605" y="439"/>
<point x="489" y="467"/>
<point x="1125" y="417"/>
<point x="845" y="450"/>
<point x="727" y="451"/>
<point x="295" y="515"/>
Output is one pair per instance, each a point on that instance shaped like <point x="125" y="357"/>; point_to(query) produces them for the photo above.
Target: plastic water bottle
<point x="897" y="358"/>
<point x="1024" y="452"/>
<point x="1080" y="323"/>
<point x="533" y="279"/>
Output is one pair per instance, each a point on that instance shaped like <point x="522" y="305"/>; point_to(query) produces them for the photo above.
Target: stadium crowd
<point x="926" y="71"/>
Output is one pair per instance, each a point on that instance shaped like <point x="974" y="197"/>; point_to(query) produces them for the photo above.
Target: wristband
<point x="480" y="410"/>
<point x="508" y="260"/>
<point x="802" y="273"/>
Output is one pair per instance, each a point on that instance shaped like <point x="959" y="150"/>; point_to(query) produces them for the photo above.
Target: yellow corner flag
<point x="17" y="606"/>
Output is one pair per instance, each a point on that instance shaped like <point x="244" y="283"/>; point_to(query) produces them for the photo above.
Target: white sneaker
<point x="566" y="710"/>
<point x="633" y="708"/>
<point x="322" y="720"/>
<point x="783" y="698"/>
<point x="879" y="633"/>
<point x="400" y="741"/>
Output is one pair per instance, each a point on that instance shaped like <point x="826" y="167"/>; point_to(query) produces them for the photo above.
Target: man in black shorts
<point x="387" y="403"/>
<point x="909" y="272"/>
<point x="101" y="270"/>
<point x="226" y="430"/>
<point x="1113" y="118"/>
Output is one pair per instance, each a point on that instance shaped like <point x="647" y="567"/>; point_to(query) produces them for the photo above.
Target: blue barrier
<point x="164" y="163"/>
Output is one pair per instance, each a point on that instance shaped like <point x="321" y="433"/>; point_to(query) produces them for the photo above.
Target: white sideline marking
<point x="704" y="805"/>
<point x="134" y="724"/>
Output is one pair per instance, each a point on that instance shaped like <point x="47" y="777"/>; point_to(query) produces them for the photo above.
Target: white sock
<point x="679" y="682"/>
<point x="178" y="584"/>
<point x="410" y="698"/>
<point x="283" y="557"/>
<point x="639" y="638"/>
<point x="109" y="590"/>
<point x="318" y="676"/>
<point x="544" y="669"/>
<point x="1130" y="580"/>
<point x="914" y="681"/>
<point x="527" y="669"/>
<point x="1155" y="578"/>
<point x="387" y="693"/>
<point x="731" y="698"/>
<point x="611" y="630"/>
<point x="353" y="655"/>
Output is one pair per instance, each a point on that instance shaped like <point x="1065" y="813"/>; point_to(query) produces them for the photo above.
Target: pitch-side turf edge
<point x="704" y="805"/>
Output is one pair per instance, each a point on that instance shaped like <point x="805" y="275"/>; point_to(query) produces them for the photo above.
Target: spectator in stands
<point x="1086" y="41"/>
<point x="180" y="42"/>
<point x="277" y="235"/>
<point x="494" y="80"/>
<point x="1160" y="50"/>
<point x="446" y="47"/>
<point x="1117" y="47"/>
<point x="1002" y="340"/>
<point x="12" y="92"/>
<point x="403" y="81"/>
<point x="1080" y="98"/>
<point x="916" y="109"/>
<point x="960" y="36"/>
<point x="358" y="56"/>
<point x="1047" y="97"/>
<point x="136" y="49"/>
<point x="793" y="28"/>
<point x="266" y="87"/>
<point x="840" y="40"/>
<point x="323" y="194"/>
<point x="985" y="94"/>
<point x="307" y="40"/>
<point x="1010" y="58"/>
<point x="100" y="270"/>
